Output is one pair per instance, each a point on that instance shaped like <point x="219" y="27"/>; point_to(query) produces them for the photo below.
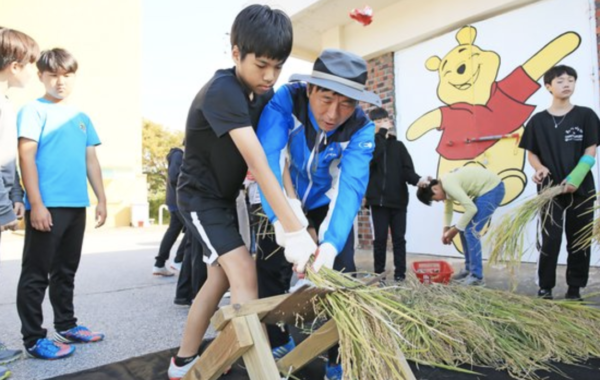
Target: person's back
<point x="57" y="155"/>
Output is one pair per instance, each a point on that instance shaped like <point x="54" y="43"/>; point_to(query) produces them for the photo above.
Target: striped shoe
<point x="46" y="349"/>
<point x="79" y="334"/>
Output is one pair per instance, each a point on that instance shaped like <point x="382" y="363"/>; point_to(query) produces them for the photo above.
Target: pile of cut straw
<point x="451" y="325"/>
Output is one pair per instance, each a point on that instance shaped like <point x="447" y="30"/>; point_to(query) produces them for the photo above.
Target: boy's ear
<point x="235" y="54"/>
<point x="548" y="87"/>
<point x="39" y="75"/>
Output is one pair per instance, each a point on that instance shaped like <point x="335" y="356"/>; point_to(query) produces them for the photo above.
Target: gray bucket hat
<point x="342" y="72"/>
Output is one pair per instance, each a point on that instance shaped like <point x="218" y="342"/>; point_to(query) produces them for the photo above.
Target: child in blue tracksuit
<point x="318" y="132"/>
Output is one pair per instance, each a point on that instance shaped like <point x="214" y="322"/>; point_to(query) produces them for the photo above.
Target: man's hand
<point x="300" y="246"/>
<point x="19" y="210"/>
<point x="324" y="257"/>
<point x="100" y="214"/>
<point x="41" y="219"/>
<point x="567" y="187"/>
<point x="540" y="175"/>
<point x="424" y="181"/>
<point x="10" y="226"/>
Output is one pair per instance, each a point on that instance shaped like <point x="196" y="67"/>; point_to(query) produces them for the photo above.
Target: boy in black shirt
<point x="562" y="144"/>
<point x="221" y="146"/>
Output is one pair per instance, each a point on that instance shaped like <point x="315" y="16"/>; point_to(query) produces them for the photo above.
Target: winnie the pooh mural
<point x="483" y="117"/>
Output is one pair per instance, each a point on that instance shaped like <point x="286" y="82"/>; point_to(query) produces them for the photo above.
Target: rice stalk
<point x="450" y="326"/>
<point x="507" y="235"/>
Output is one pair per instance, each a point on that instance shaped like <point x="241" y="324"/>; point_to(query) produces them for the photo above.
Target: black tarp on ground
<point x="154" y="367"/>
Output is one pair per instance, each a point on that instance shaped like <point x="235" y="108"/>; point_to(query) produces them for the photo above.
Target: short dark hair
<point x="263" y="31"/>
<point x="321" y="89"/>
<point x="378" y="113"/>
<point x="557" y="71"/>
<point x="57" y="59"/>
<point x="425" y="194"/>
<point x="17" y="47"/>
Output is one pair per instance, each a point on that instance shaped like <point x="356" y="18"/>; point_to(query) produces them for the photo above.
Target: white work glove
<point x="296" y="206"/>
<point x="325" y="257"/>
<point x="300" y="246"/>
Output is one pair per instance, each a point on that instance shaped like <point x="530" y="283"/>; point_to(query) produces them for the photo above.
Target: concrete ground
<point x="117" y="294"/>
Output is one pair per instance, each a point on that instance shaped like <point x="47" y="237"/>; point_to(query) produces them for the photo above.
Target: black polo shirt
<point x="560" y="142"/>
<point x="213" y="169"/>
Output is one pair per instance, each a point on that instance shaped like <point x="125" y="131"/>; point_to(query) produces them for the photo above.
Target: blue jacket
<point x="334" y="171"/>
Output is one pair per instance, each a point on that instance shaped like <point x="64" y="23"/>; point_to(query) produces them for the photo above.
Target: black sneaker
<point x="182" y="302"/>
<point x="399" y="278"/>
<point x="573" y="294"/>
<point x="545" y="294"/>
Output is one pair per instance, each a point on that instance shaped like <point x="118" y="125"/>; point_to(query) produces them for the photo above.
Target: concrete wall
<point x="105" y="38"/>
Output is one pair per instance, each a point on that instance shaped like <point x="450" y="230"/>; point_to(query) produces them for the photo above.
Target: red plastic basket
<point x="438" y="271"/>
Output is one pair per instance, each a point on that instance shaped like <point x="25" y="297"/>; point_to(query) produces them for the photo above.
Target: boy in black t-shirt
<point x="562" y="144"/>
<point x="221" y="146"/>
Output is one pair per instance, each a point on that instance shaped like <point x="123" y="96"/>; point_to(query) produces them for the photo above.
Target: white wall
<point x="515" y="36"/>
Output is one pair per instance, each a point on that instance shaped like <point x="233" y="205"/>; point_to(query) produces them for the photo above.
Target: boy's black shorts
<point x="217" y="230"/>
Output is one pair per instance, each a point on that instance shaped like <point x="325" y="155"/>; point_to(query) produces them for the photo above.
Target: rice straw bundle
<point x="507" y="236"/>
<point x="589" y="234"/>
<point x="451" y="325"/>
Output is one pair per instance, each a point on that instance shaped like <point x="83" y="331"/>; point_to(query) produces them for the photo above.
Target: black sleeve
<point x="408" y="168"/>
<point x="528" y="141"/>
<point x="175" y="167"/>
<point x="226" y="106"/>
<point x="380" y="141"/>
<point x="591" y="129"/>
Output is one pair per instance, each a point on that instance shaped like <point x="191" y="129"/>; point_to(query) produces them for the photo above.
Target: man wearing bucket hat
<point x="315" y="130"/>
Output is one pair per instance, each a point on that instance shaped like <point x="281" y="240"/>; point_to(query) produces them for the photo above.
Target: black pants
<point x="176" y="225"/>
<point x="50" y="260"/>
<point x="382" y="219"/>
<point x="569" y="211"/>
<point x="193" y="270"/>
<point x="274" y="273"/>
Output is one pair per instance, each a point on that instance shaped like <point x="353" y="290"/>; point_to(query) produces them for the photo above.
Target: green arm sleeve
<point x="578" y="174"/>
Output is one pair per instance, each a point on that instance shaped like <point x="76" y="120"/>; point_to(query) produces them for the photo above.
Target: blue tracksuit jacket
<point x="327" y="168"/>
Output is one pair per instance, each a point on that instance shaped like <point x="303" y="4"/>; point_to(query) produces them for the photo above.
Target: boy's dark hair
<point x="263" y="31"/>
<point x="57" y="59"/>
<point x="425" y="194"/>
<point x="17" y="47"/>
<point x="378" y="113"/>
<point x="557" y="71"/>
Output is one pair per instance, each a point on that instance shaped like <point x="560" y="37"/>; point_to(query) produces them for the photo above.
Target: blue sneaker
<point x="333" y="372"/>
<point x="281" y="351"/>
<point x="79" y="334"/>
<point x="46" y="349"/>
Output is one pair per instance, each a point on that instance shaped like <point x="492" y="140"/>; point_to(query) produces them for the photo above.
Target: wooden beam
<point x="319" y="341"/>
<point x="231" y="343"/>
<point x="259" y="359"/>
<point x="261" y="307"/>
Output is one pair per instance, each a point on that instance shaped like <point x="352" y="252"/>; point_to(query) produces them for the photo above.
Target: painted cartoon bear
<point x="483" y="118"/>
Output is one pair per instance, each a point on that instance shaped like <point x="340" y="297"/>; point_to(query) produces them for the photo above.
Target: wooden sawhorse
<point x="241" y="335"/>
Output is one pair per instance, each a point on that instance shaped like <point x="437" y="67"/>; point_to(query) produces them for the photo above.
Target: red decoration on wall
<point x="363" y="16"/>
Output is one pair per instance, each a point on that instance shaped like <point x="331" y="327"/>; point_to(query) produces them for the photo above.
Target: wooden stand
<point x="241" y="335"/>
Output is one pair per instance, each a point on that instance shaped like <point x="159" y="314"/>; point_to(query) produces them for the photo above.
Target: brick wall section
<point x="381" y="81"/>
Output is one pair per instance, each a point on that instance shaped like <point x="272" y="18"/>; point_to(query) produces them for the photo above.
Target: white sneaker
<point x="177" y="373"/>
<point x="176" y="266"/>
<point x="227" y="294"/>
<point x="162" y="271"/>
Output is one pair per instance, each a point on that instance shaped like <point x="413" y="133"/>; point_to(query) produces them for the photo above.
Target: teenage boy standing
<point x="57" y="151"/>
<point x="387" y="194"/>
<point x="561" y="143"/>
